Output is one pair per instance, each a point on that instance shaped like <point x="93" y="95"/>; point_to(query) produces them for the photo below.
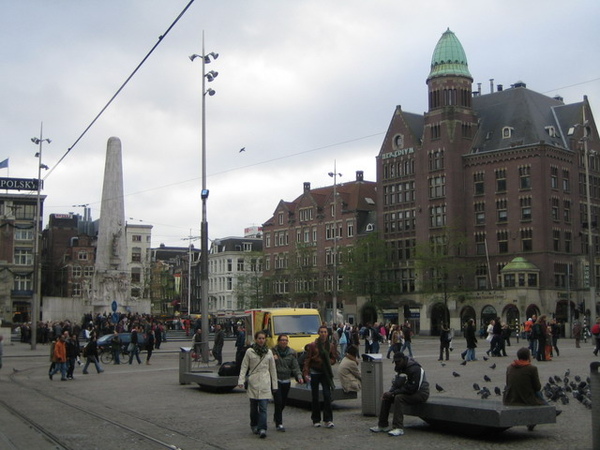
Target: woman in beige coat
<point x="348" y="372"/>
<point x="259" y="365"/>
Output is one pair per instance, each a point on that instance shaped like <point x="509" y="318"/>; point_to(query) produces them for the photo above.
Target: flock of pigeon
<point x="557" y="389"/>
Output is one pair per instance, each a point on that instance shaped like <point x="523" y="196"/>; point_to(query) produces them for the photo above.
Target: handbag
<point x="130" y="347"/>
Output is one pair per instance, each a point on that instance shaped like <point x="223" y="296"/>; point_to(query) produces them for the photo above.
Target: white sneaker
<point x="379" y="429"/>
<point x="396" y="432"/>
<point x="330" y="425"/>
<point x="317" y="424"/>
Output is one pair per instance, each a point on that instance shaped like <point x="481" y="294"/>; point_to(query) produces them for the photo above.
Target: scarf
<point x="282" y="353"/>
<point x="326" y="362"/>
<point x="260" y="351"/>
<point x="520" y="363"/>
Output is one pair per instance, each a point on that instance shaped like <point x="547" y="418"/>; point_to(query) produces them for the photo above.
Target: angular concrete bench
<point x="477" y="416"/>
<point x="301" y="395"/>
<point x="210" y="381"/>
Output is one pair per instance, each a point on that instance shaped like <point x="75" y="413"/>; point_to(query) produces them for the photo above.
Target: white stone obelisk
<point x="111" y="279"/>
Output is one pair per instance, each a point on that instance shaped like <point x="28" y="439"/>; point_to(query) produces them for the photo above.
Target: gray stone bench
<point x="210" y="381"/>
<point x="477" y="416"/>
<point x="301" y="395"/>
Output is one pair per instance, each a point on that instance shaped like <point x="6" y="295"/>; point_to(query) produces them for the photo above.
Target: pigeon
<point x="243" y="149"/>
<point x="558" y="379"/>
<point x="439" y="388"/>
<point x="464" y="363"/>
<point x="476" y="387"/>
<point x="443" y="364"/>
<point x="455" y="374"/>
<point x="493" y="366"/>
<point x="568" y="373"/>
<point x="551" y="380"/>
<point x="577" y="378"/>
<point x="485" y="358"/>
<point x="497" y="391"/>
<point x="485" y="394"/>
<point x="486" y="378"/>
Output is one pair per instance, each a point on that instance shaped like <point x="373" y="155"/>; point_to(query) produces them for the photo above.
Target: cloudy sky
<point x="302" y="83"/>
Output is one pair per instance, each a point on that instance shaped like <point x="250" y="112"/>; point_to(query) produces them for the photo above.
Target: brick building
<point x="298" y="244"/>
<point x="506" y="172"/>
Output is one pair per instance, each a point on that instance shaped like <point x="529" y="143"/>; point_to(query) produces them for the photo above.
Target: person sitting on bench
<point x="408" y="386"/>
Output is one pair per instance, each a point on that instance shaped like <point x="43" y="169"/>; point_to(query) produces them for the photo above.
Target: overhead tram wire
<point x="160" y="39"/>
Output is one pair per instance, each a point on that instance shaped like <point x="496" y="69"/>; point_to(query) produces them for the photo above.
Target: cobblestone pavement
<point x="153" y="393"/>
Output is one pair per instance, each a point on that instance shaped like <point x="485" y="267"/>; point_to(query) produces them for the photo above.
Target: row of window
<point x="404" y="167"/>
<point x="562" y="241"/>
<point x="399" y="193"/>
<point x="524" y="174"/>
<point x="226" y="265"/>
<point x="308" y="235"/>
<point x="404" y="220"/>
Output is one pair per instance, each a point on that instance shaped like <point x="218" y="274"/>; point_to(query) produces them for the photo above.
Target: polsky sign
<point x="20" y="184"/>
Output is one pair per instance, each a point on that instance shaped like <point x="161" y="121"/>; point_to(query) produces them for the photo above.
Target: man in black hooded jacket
<point x="408" y="386"/>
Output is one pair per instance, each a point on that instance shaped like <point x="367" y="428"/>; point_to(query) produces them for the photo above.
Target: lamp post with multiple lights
<point x="37" y="279"/>
<point x="334" y="287"/>
<point x="210" y="76"/>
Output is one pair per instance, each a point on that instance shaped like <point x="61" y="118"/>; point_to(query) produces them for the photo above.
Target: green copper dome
<point x="519" y="264"/>
<point x="449" y="57"/>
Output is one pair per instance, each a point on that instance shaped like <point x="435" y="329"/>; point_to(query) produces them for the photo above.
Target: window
<point x="305" y="214"/>
<point x="136" y="275"/>
<point x="280" y="218"/>
<point x="76" y="290"/>
<point x="478" y="180"/>
<point x="436" y="160"/>
<point x="481" y="273"/>
<point x="268" y="240"/>
<point x="306" y="235"/>
<point x="437" y="216"/>
<point x="88" y="271"/>
<point x="314" y="234"/>
<point x="568" y="242"/>
<point x="136" y="254"/>
<point x="567" y="211"/>
<point x="502" y="237"/>
<point x="526" y="239"/>
<point x="500" y="180"/>
<point x="23" y="283"/>
<point x="350" y="228"/>
<point x="24" y="211"/>
<point x="555" y="204"/>
<point x="240" y="264"/>
<point x="229" y="283"/>
<point x="501" y="208"/>
<point x="525" y="203"/>
<point x="554" y="177"/>
<point x="23" y="235"/>
<point x="435" y="131"/>
<point x="525" y="177"/>
<point x="556" y="240"/>
<point x="480" y="243"/>
<point x="480" y="213"/>
<point x="76" y="271"/>
<point x="507" y="132"/>
<point x="82" y="256"/>
<point x="136" y="238"/>
<point x="437" y="187"/>
<point x="23" y="257"/>
<point x="229" y="265"/>
<point x="566" y="182"/>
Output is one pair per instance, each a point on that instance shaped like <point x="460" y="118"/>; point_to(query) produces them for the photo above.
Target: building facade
<point x="235" y="275"/>
<point x="17" y="253"/>
<point x="493" y="188"/>
<point x="303" y="241"/>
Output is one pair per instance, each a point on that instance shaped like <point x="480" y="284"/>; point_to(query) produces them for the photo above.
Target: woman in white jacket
<point x="259" y="365"/>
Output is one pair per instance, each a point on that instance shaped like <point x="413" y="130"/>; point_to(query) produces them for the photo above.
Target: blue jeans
<point x="375" y="347"/>
<point x="317" y="379"/>
<point x="135" y="352"/>
<point x="92" y="359"/>
<point x="258" y="414"/>
<point x="62" y="368"/>
<point x="470" y="354"/>
<point x="407" y="346"/>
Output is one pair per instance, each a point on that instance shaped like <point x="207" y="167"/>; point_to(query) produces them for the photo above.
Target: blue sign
<point x="113" y="305"/>
<point x="115" y="317"/>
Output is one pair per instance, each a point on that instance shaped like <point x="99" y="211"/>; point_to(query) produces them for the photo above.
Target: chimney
<point x="306" y="186"/>
<point x="499" y="88"/>
<point x="491" y="85"/>
<point x="359" y="175"/>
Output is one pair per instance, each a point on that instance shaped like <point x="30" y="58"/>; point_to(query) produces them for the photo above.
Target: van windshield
<point x="297" y="324"/>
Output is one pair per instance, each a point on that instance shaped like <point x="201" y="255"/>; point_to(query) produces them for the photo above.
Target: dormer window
<point x="507" y="132"/>
<point x="551" y="131"/>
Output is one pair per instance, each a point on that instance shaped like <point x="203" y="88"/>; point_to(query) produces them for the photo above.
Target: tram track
<point x="61" y="417"/>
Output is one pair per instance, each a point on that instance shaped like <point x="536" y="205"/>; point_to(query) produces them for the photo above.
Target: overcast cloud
<point x="301" y="83"/>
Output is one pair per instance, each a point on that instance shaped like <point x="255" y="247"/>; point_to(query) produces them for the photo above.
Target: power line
<point x="160" y="39"/>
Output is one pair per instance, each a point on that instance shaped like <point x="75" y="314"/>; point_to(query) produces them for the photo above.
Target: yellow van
<point x="300" y="324"/>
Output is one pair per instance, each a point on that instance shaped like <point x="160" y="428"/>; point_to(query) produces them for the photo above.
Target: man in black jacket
<point x="408" y="386"/>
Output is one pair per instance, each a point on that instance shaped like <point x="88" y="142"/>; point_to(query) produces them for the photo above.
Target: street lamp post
<point x="210" y="76"/>
<point x="37" y="279"/>
<point x="334" y="289"/>
<point x="591" y="253"/>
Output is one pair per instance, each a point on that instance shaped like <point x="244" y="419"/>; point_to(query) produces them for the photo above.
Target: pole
<point x="591" y="257"/>
<point x="204" y="224"/>
<point x="189" y="280"/>
<point x="37" y="279"/>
